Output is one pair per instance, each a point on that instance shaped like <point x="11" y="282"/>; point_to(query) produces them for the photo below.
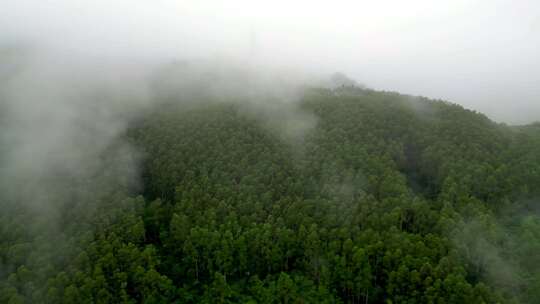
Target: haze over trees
<point x="280" y="151"/>
<point x="347" y="195"/>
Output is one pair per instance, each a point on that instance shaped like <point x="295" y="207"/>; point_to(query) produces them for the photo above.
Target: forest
<point x="348" y="195"/>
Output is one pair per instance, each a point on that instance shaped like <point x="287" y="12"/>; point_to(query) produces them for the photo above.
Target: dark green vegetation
<point x="383" y="198"/>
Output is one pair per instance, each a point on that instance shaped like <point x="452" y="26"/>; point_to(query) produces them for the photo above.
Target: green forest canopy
<point x="379" y="198"/>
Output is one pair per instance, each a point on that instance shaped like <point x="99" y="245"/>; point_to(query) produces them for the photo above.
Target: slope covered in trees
<point x="358" y="196"/>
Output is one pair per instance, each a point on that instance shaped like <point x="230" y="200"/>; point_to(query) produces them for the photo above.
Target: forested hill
<point x="347" y="196"/>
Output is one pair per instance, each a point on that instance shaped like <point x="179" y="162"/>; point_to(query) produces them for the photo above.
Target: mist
<point x="480" y="54"/>
<point x="76" y="76"/>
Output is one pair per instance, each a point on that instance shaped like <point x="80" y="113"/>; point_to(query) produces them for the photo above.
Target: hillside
<point x="347" y="196"/>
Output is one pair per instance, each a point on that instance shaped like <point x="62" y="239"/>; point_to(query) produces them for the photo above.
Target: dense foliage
<point x="380" y="198"/>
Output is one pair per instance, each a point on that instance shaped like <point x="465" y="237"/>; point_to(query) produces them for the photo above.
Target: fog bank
<point x="481" y="54"/>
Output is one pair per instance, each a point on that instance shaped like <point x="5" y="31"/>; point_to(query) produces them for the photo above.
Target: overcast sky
<point x="482" y="54"/>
